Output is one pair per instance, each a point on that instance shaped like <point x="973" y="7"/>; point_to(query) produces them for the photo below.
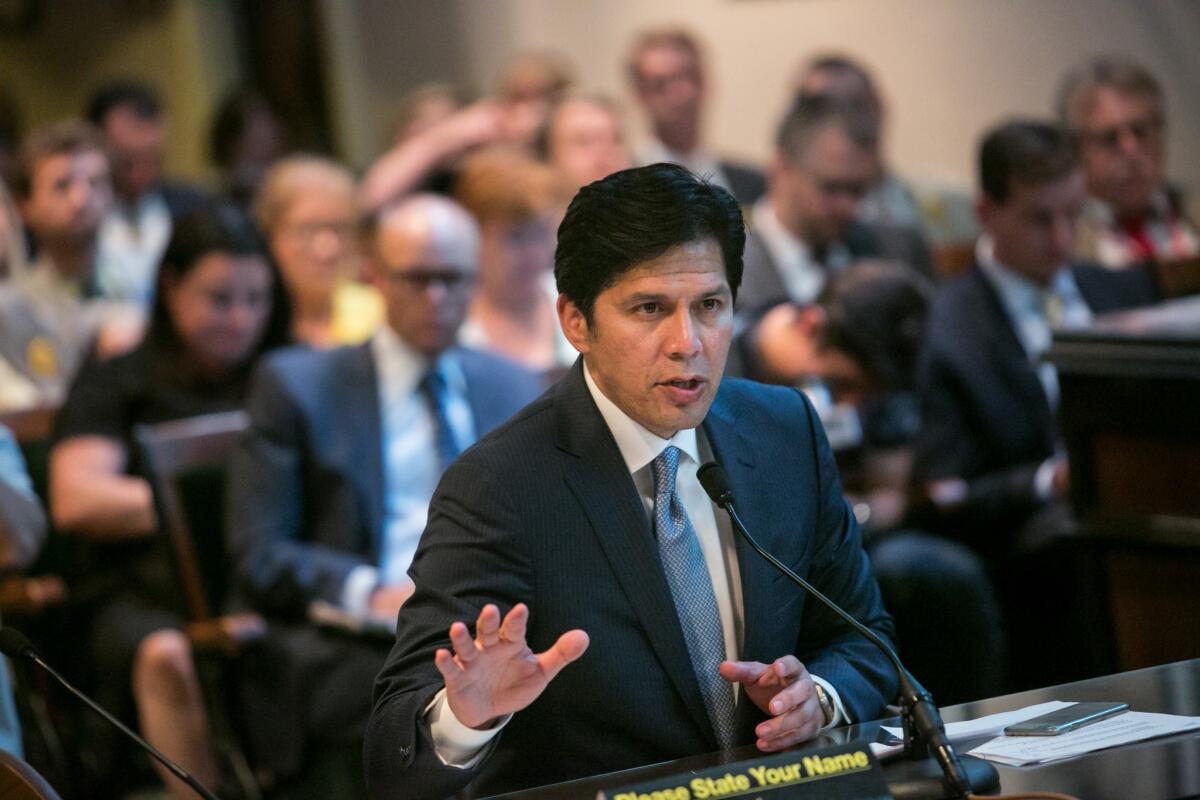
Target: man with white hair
<point x="330" y="488"/>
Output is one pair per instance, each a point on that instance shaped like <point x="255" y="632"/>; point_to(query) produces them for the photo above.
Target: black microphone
<point x="14" y="645"/>
<point x="922" y="724"/>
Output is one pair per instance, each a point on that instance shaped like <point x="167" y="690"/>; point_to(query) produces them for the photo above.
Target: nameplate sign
<point x="844" y="772"/>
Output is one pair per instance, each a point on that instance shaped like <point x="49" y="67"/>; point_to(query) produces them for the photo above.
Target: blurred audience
<point x="422" y="108"/>
<point x="10" y="138"/>
<point x="989" y="449"/>
<point x="584" y="140"/>
<point x="667" y="70"/>
<point x="52" y="313"/>
<point x="245" y="139"/>
<point x="218" y="306"/>
<point x="306" y="208"/>
<point x="1115" y="109"/>
<point x="135" y="231"/>
<point x="331" y="486"/>
<point x="516" y="201"/>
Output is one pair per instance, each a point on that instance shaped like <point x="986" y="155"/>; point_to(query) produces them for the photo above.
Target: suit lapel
<point x="600" y="481"/>
<point x="1014" y="359"/>
<point x="362" y="416"/>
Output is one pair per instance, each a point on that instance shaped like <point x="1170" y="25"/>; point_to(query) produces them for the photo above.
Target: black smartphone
<point x="1066" y="719"/>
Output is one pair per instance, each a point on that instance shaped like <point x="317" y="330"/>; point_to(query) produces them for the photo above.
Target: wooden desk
<point x="1130" y="417"/>
<point x="1160" y="769"/>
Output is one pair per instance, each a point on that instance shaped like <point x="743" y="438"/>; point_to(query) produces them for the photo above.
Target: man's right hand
<point x="496" y="673"/>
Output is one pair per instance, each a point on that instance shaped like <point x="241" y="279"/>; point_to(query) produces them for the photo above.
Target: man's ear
<point x="574" y="324"/>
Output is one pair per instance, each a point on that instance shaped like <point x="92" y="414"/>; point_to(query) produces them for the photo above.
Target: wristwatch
<point x="827" y="707"/>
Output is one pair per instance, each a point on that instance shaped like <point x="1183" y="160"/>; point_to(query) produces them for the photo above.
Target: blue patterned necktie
<point x="433" y="387"/>
<point x="692" y="591"/>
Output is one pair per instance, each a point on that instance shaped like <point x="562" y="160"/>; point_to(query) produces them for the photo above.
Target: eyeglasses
<point x="306" y="232"/>
<point x="422" y="279"/>
<point x="1142" y="131"/>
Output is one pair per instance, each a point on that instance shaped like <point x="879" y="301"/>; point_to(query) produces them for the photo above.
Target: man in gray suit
<point x="806" y="227"/>
<point x="330" y="488"/>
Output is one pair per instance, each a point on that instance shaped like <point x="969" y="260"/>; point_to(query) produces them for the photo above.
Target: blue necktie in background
<point x="692" y="591"/>
<point x="433" y="386"/>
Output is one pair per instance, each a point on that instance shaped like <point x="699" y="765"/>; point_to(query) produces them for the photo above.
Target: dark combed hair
<point x="135" y="94"/>
<point x="810" y="114"/>
<point x="216" y="227"/>
<point x="634" y="216"/>
<point x="875" y="313"/>
<point x="1023" y="151"/>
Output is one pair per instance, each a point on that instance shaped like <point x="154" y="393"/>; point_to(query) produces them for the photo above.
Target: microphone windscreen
<point x="13" y="643"/>
<point x="715" y="480"/>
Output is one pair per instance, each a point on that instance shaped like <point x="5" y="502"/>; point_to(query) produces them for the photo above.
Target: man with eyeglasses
<point x="330" y="488"/>
<point x="806" y="228"/>
<point x="1115" y="109"/>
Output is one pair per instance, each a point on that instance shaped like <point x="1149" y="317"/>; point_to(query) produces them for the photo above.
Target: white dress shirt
<point x="410" y="460"/>
<point x="131" y="242"/>
<point x="460" y="746"/>
<point x="802" y="275"/>
<point x="699" y="162"/>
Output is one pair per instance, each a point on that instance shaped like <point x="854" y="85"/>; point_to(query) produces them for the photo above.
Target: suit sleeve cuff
<point x="455" y="744"/>
<point x="840" y="715"/>
<point x="356" y="591"/>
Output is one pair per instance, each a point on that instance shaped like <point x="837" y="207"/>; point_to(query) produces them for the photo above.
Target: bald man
<point x="330" y="489"/>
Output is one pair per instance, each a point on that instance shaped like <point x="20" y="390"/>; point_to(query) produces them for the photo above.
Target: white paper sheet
<point x="1132" y="726"/>
<point x="984" y="726"/>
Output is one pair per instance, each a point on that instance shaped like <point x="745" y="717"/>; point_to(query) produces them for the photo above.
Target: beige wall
<point x="948" y="67"/>
<point x="185" y="48"/>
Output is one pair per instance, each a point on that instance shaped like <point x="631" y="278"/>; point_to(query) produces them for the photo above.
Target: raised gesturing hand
<point x="496" y="673"/>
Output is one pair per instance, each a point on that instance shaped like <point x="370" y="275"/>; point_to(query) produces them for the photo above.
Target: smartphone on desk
<point x="1066" y="719"/>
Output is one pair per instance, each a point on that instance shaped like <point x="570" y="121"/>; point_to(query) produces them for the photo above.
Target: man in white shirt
<point x="666" y="70"/>
<point x="135" y="232"/>
<point x="635" y="628"/>
<point x="330" y="488"/>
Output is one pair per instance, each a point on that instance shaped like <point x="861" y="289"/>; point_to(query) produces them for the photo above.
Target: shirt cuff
<point x="356" y="591"/>
<point x="1043" y="480"/>
<point x="455" y="744"/>
<point x="840" y="715"/>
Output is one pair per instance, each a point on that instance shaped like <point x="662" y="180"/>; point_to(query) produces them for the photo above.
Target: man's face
<point x="1034" y="231"/>
<point x="136" y="146"/>
<point x="69" y="195"/>
<point x="586" y="142"/>
<point x="1122" y="150"/>
<point x="426" y="277"/>
<point x="670" y="87"/>
<point x="819" y="189"/>
<point x="658" y="338"/>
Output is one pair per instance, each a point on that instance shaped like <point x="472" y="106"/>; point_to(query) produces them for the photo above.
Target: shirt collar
<point x="1016" y="286"/>
<point x="401" y="368"/>
<point x="786" y="248"/>
<point x="638" y="446"/>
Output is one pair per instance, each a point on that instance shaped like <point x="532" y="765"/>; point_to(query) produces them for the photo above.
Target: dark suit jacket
<point x="182" y="198"/>
<point x="985" y="415"/>
<point x="306" y="489"/>
<point x="746" y="183"/>
<point x="545" y="512"/>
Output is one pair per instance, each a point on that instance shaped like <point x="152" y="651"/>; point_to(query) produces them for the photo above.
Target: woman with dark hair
<point x="219" y="305"/>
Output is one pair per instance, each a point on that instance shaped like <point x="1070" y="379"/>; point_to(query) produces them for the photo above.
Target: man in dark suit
<point x="989" y="448"/>
<point x="329" y="489"/>
<point x="667" y="73"/>
<point x="635" y="628"/>
<point x="129" y="115"/>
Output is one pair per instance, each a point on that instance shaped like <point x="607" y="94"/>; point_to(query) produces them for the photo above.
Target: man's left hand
<point x="783" y="690"/>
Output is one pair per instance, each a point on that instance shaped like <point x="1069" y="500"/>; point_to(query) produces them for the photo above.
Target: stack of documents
<point x="1132" y="726"/>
